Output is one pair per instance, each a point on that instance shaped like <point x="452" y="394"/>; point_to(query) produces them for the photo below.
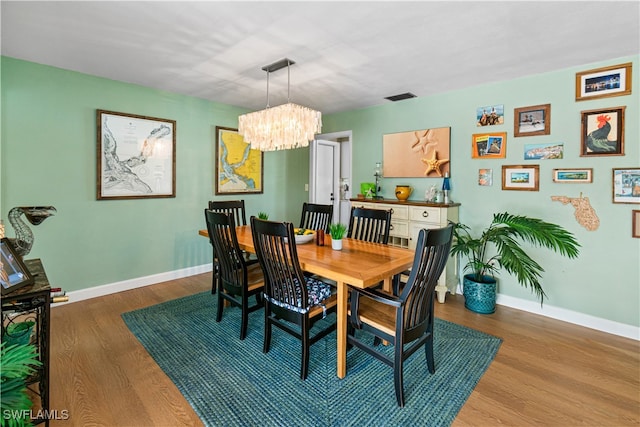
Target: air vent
<point x="400" y="97"/>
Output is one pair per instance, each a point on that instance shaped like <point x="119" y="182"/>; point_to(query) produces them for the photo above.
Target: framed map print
<point x="239" y="169"/>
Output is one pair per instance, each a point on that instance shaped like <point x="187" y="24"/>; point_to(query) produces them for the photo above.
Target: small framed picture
<point x="489" y="145"/>
<point x="532" y="121"/>
<point x="521" y="177"/>
<point x="573" y="176"/>
<point x="604" y="82"/>
<point x="13" y="273"/>
<point x="635" y="227"/>
<point x="490" y="115"/>
<point x="550" y="151"/>
<point x="485" y="177"/>
<point x="626" y="185"/>
<point x="602" y="132"/>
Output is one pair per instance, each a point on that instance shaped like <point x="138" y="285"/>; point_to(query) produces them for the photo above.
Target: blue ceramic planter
<point x="480" y="297"/>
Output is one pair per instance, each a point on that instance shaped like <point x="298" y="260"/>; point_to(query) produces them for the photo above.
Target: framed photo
<point x="626" y="185"/>
<point x="604" y="82"/>
<point x="532" y="121"/>
<point x="136" y="156"/>
<point x="423" y="153"/>
<point x="521" y="177"/>
<point x="550" y="151"/>
<point x="635" y="227"/>
<point x="602" y="132"/>
<point x="490" y="115"/>
<point x="239" y="168"/>
<point x="13" y="273"/>
<point x="489" y="145"/>
<point x="485" y="177"/>
<point x="573" y="176"/>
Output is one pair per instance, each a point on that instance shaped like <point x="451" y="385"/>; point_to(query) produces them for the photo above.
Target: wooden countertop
<point x="406" y="202"/>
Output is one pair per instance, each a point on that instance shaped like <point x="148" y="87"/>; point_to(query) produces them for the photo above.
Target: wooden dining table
<point x="359" y="264"/>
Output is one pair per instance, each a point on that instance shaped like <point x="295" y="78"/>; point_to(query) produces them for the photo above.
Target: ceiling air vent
<point x="400" y="97"/>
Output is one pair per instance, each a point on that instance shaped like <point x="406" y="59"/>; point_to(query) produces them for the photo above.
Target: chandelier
<point x="283" y="127"/>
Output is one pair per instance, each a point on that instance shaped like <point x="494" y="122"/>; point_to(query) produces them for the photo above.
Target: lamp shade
<point x="446" y="184"/>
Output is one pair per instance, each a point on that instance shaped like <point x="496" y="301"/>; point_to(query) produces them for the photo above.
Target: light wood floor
<point x="546" y="373"/>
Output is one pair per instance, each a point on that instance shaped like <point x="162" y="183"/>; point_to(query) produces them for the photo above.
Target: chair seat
<point x="378" y="315"/>
<point x="326" y="304"/>
<point x="321" y="297"/>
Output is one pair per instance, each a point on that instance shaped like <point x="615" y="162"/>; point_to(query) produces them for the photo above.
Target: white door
<point x="325" y="174"/>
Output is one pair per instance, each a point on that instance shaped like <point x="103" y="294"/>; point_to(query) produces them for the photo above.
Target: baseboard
<point x="577" y="318"/>
<point x="112" y="288"/>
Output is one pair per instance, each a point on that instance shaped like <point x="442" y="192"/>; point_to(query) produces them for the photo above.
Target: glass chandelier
<point x="283" y="127"/>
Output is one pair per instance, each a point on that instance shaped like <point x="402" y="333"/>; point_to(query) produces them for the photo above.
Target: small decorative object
<point x="521" y="177"/>
<point x="303" y="235"/>
<point x="635" y="230"/>
<point x="136" y="156"/>
<point x="626" y="185"/>
<point x="551" y="151"/>
<point x="439" y="197"/>
<point x="367" y="189"/>
<point x="490" y="115"/>
<point x="446" y="187"/>
<point x="403" y="192"/>
<point x="377" y="173"/>
<point x="337" y="231"/>
<point x="489" y="145"/>
<point x="14" y="274"/>
<point x="603" y="132"/>
<point x="506" y="234"/>
<point x="573" y="176"/>
<point x="263" y="216"/>
<point x="485" y="177"/>
<point x="604" y="82"/>
<point x="239" y="168"/>
<point x="320" y="237"/>
<point x="417" y="154"/>
<point x="430" y="194"/>
<point x="532" y="121"/>
<point x="23" y="241"/>
<point x="584" y="213"/>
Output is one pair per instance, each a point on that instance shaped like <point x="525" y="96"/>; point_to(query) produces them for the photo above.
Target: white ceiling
<point x="348" y="54"/>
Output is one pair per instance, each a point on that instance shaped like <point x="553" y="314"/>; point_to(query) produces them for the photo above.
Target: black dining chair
<point x="405" y="320"/>
<point x="235" y="208"/>
<point x="370" y="225"/>
<point x="238" y="280"/>
<point x="293" y="302"/>
<point x="316" y="217"/>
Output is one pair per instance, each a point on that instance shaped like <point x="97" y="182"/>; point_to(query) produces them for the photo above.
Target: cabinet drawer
<point x="398" y="212"/>
<point x="424" y="213"/>
<point x="399" y="228"/>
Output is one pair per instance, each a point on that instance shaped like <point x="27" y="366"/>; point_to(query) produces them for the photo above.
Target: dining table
<point x="359" y="264"/>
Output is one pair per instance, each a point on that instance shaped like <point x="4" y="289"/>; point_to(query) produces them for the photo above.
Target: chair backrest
<point x="275" y="247"/>
<point x="222" y="235"/>
<point x="316" y="217"/>
<point x="234" y="207"/>
<point x="432" y="253"/>
<point x="371" y="225"/>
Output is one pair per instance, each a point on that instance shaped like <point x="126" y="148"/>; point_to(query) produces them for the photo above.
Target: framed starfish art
<point x="417" y="154"/>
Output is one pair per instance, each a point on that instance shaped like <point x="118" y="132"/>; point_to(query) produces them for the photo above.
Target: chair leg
<point x="267" y="331"/>
<point x="304" y="370"/>
<point x="220" y="307"/>
<point x="397" y="375"/>
<point x="245" y="317"/>
<point x="428" y="349"/>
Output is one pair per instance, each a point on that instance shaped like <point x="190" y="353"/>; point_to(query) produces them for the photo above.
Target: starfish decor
<point x="433" y="163"/>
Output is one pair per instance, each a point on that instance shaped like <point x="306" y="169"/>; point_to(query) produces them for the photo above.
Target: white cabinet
<point x="407" y="219"/>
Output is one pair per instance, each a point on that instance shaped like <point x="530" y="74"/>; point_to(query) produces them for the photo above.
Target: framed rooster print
<point x="602" y="132"/>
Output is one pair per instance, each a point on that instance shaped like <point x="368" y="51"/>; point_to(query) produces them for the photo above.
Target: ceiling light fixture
<point x="283" y="127"/>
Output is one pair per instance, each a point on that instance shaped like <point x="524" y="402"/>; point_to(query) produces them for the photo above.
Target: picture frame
<point x="548" y="151"/>
<point x="532" y="121"/>
<point x="14" y="274"/>
<point x="604" y="82"/>
<point x="573" y="176"/>
<point x="626" y="185"/>
<point x="635" y="223"/>
<point x="489" y="145"/>
<point x="136" y="156"/>
<point x="423" y="153"/>
<point x="521" y="177"/>
<point x="485" y="177"/>
<point x="490" y="115"/>
<point x="239" y="169"/>
<point x="602" y="132"/>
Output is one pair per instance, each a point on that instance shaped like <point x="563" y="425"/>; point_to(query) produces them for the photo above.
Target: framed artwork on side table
<point x="604" y="82"/>
<point x="635" y="227"/>
<point x="532" y="121"/>
<point x="489" y="145"/>
<point x="521" y="177"/>
<point x="239" y="169"/>
<point x="573" y="176"/>
<point x="136" y="156"/>
<point x="626" y="185"/>
<point x="602" y="132"/>
<point x="13" y="273"/>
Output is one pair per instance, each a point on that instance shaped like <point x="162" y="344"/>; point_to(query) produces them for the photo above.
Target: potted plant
<point x="18" y="362"/>
<point x="263" y="215"/>
<point x="337" y="232"/>
<point x="500" y="247"/>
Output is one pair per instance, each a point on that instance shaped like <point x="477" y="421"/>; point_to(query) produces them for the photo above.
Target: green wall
<point x="49" y="158"/>
<point x="605" y="280"/>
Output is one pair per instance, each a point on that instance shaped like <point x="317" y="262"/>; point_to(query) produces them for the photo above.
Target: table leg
<point x="341" y="326"/>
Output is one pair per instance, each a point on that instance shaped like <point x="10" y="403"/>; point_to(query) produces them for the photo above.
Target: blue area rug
<point x="229" y="382"/>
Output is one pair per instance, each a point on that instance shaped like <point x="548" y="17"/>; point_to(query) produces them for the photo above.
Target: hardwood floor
<point x="546" y="373"/>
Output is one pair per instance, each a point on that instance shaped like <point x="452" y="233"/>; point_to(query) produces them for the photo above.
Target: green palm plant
<point x="18" y="362"/>
<point x="505" y="234"/>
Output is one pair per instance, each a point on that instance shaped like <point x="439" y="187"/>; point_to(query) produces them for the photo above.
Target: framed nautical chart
<point x="239" y="168"/>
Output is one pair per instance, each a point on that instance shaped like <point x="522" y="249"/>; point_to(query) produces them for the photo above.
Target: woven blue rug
<point x="229" y="382"/>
